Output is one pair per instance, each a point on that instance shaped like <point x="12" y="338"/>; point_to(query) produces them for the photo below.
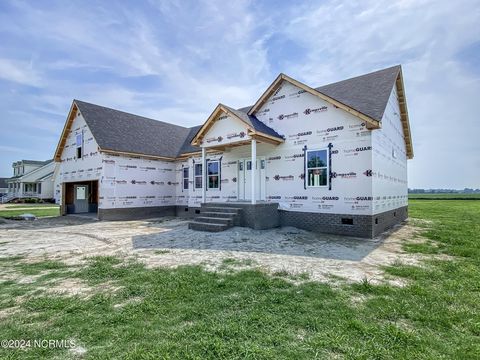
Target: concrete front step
<point x="215" y="217"/>
<point x="232" y="210"/>
<point x="206" y="226"/>
<point x="215" y="220"/>
<point x="215" y="214"/>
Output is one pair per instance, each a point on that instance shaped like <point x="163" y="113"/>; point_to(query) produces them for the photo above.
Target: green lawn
<point x="189" y="313"/>
<point x="49" y="211"/>
<point x="444" y="196"/>
<point x="14" y="206"/>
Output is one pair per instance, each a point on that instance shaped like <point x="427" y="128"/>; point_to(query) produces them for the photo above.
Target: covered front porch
<point x="225" y="130"/>
<point x="250" y="174"/>
<point x="17" y="189"/>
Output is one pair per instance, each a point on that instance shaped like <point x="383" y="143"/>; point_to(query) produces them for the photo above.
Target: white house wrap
<point x="331" y="159"/>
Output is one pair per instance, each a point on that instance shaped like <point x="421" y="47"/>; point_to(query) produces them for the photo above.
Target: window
<point x="39" y="188"/>
<point x="198" y="176"/>
<point x="79" y="143"/>
<point x="185" y="178"/>
<point x="317" y="168"/>
<point x="213" y="173"/>
<point x="81" y="192"/>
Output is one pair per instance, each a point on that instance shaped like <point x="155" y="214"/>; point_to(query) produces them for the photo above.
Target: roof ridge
<point x="359" y="76"/>
<point x="129" y="113"/>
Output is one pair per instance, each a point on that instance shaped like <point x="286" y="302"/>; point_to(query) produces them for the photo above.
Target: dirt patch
<point x="169" y="243"/>
<point x="6" y="313"/>
<point x="30" y="279"/>
<point x="74" y="287"/>
<point x="132" y="300"/>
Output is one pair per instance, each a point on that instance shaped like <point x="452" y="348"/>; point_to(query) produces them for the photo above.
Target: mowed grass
<point x="189" y="313"/>
<point x="25" y="206"/>
<point x="451" y="196"/>
<point x="48" y="211"/>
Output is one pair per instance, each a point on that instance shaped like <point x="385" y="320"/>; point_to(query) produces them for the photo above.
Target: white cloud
<point x="21" y="72"/>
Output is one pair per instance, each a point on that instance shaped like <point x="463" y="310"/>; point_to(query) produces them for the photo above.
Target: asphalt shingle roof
<point x="120" y="131"/>
<point x="253" y="121"/>
<point x="3" y="182"/>
<point x="187" y="147"/>
<point x="367" y="93"/>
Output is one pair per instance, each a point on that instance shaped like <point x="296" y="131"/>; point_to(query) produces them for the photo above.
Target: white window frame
<point x="313" y="168"/>
<point x="185" y="178"/>
<point x="218" y="174"/>
<point x="78" y="147"/>
<point x="197" y="176"/>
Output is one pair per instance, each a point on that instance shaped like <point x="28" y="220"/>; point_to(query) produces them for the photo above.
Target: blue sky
<point x="175" y="60"/>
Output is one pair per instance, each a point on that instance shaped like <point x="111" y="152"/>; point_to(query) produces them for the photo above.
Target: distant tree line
<point x="444" y="191"/>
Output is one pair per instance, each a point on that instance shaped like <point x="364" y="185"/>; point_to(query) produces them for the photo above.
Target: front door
<point x="81" y="198"/>
<point x="245" y="179"/>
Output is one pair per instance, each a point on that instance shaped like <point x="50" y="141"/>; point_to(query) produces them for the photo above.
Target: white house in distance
<point x="330" y="159"/>
<point x="3" y="187"/>
<point x="31" y="179"/>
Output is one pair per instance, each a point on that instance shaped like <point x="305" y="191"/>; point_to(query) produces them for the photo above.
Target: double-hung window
<point x="79" y="145"/>
<point x="198" y="175"/>
<point x="213" y="174"/>
<point x="185" y="178"/>
<point x="317" y="168"/>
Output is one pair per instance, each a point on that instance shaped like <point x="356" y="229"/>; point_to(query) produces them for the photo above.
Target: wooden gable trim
<point x="126" y="153"/>
<point x="188" y="154"/>
<point x="371" y="123"/>
<point x="66" y="129"/>
<point x="265" y="137"/>
<point x="214" y="117"/>
<point x="211" y="120"/>
<point x="402" y="102"/>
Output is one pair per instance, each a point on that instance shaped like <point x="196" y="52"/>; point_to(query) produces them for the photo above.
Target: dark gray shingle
<point x="120" y="131"/>
<point x="187" y="147"/>
<point x="367" y="93"/>
<point x="253" y="121"/>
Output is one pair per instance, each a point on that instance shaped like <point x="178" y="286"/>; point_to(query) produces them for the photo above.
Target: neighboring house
<point x="330" y="159"/>
<point x="31" y="179"/>
<point x="3" y="187"/>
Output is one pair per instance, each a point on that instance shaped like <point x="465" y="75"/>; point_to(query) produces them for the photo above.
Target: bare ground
<point x="168" y="242"/>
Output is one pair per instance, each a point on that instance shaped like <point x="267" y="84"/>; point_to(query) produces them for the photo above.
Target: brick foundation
<point x="367" y="226"/>
<point x="266" y="216"/>
<point x="388" y="219"/>
<point x="136" y="213"/>
<point x="186" y="212"/>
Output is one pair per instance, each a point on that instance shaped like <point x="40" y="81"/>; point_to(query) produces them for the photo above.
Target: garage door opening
<point x="80" y="198"/>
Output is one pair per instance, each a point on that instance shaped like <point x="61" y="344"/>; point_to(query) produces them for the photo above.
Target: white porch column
<point x="254" y="168"/>
<point x="204" y="176"/>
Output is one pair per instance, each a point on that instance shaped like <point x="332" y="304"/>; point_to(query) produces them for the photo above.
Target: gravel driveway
<point x="169" y="242"/>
